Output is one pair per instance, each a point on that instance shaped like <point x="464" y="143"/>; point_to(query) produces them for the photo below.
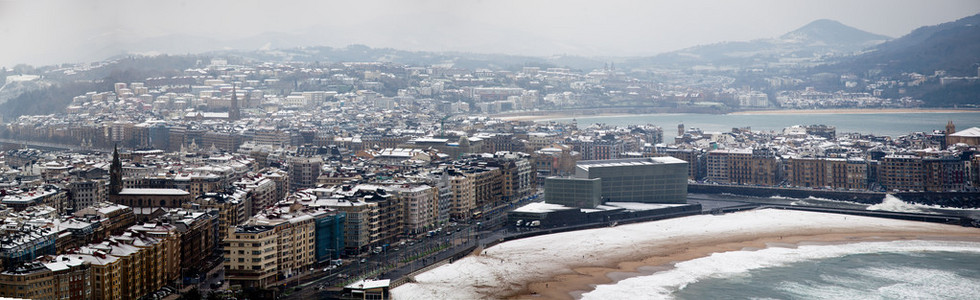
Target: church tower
<point x="950" y="129"/>
<point x="115" y="173"/>
<point x="233" y="112"/>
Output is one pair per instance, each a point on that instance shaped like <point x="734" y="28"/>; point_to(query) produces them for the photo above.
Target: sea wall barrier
<point x="943" y="199"/>
<point x="765" y="191"/>
<point x="654" y="215"/>
<point x="931" y="218"/>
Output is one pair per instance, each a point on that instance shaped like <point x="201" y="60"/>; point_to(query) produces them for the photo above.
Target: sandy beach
<point x="565" y="286"/>
<point x="564" y="265"/>
<point x="571" y="114"/>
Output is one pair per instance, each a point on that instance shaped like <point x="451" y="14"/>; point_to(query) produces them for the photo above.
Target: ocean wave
<point x="811" y="201"/>
<point x="662" y="285"/>
<point x="884" y="282"/>
<point x="892" y="203"/>
<point x="779" y="197"/>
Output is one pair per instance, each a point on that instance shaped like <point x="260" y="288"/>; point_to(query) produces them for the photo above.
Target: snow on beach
<point x="507" y="268"/>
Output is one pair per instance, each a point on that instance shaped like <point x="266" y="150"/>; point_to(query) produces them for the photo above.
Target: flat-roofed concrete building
<point x="303" y="172"/>
<point x="647" y="180"/>
<point x="573" y="192"/>
<point x="251" y="255"/>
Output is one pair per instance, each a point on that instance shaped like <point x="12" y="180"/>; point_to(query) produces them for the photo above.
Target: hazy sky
<point x="46" y="32"/>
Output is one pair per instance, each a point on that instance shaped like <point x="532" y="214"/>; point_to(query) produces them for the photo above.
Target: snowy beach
<point x="565" y="265"/>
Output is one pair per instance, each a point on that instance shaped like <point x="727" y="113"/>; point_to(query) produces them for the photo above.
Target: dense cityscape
<point x="229" y="170"/>
<point x="242" y="178"/>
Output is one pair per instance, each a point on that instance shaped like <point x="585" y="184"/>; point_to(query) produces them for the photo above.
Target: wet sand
<point x="584" y="279"/>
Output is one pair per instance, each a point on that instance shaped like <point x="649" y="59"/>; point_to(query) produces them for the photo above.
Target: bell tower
<point x="233" y="112"/>
<point x="115" y="173"/>
<point x="950" y="129"/>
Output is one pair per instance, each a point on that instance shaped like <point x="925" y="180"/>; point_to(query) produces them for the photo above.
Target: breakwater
<point x="763" y="191"/>
<point x="942" y="199"/>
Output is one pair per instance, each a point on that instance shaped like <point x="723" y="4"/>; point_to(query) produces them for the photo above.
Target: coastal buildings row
<point x="906" y="172"/>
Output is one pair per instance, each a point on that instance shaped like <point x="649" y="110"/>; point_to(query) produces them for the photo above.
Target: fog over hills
<point x="823" y="47"/>
<point x="818" y="38"/>
<point x="952" y="46"/>
<point x="950" y="50"/>
<point x="55" y="32"/>
<point x="830" y="32"/>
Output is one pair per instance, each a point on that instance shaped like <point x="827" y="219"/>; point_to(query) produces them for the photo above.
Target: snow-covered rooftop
<point x="969" y="132"/>
<point x="629" y="162"/>
<point x="155" y="192"/>
<point x="365" y="284"/>
<point x="541" y="207"/>
<point x="640" y="205"/>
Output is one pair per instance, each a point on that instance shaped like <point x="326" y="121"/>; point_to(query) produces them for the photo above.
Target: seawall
<point x="763" y="191"/>
<point x="944" y="199"/>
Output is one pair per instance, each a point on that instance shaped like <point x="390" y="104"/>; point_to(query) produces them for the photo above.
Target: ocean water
<point x="890" y="124"/>
<point x="869" y="270"/>
<point x="889" y="203"/>
<point x="890" y="275"/>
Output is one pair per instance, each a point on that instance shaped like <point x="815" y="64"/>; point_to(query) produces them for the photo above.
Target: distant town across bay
<point x="882" y="122"/>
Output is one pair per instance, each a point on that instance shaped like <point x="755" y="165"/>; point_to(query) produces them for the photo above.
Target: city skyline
<point x="481" y="150"/>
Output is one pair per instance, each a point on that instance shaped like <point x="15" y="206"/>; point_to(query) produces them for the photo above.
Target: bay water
<point x="882" y="124"/>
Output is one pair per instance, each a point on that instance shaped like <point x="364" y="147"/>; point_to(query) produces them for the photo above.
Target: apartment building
<point x="61" y="277"/>
<point x="278" y="243"/>
<point x="303" y="172"/>
<point x="420" y="204"/>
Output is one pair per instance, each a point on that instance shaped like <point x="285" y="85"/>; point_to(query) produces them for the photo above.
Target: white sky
<point x="46" y="32"/>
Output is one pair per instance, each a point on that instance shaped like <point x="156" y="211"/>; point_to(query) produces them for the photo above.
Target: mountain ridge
<point x="951" y="46"/>
<point x="825" y="30"/>
<point x="819" y="38"/>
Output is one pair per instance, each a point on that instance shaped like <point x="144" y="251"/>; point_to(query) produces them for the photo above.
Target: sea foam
<point x="662" y="285"/>
<point x="892" y="203"/>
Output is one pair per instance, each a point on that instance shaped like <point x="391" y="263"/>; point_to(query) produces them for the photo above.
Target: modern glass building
<point x="329" y="235"/>
<point x="647" y="180"/>
<point x="573" y="192"/>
